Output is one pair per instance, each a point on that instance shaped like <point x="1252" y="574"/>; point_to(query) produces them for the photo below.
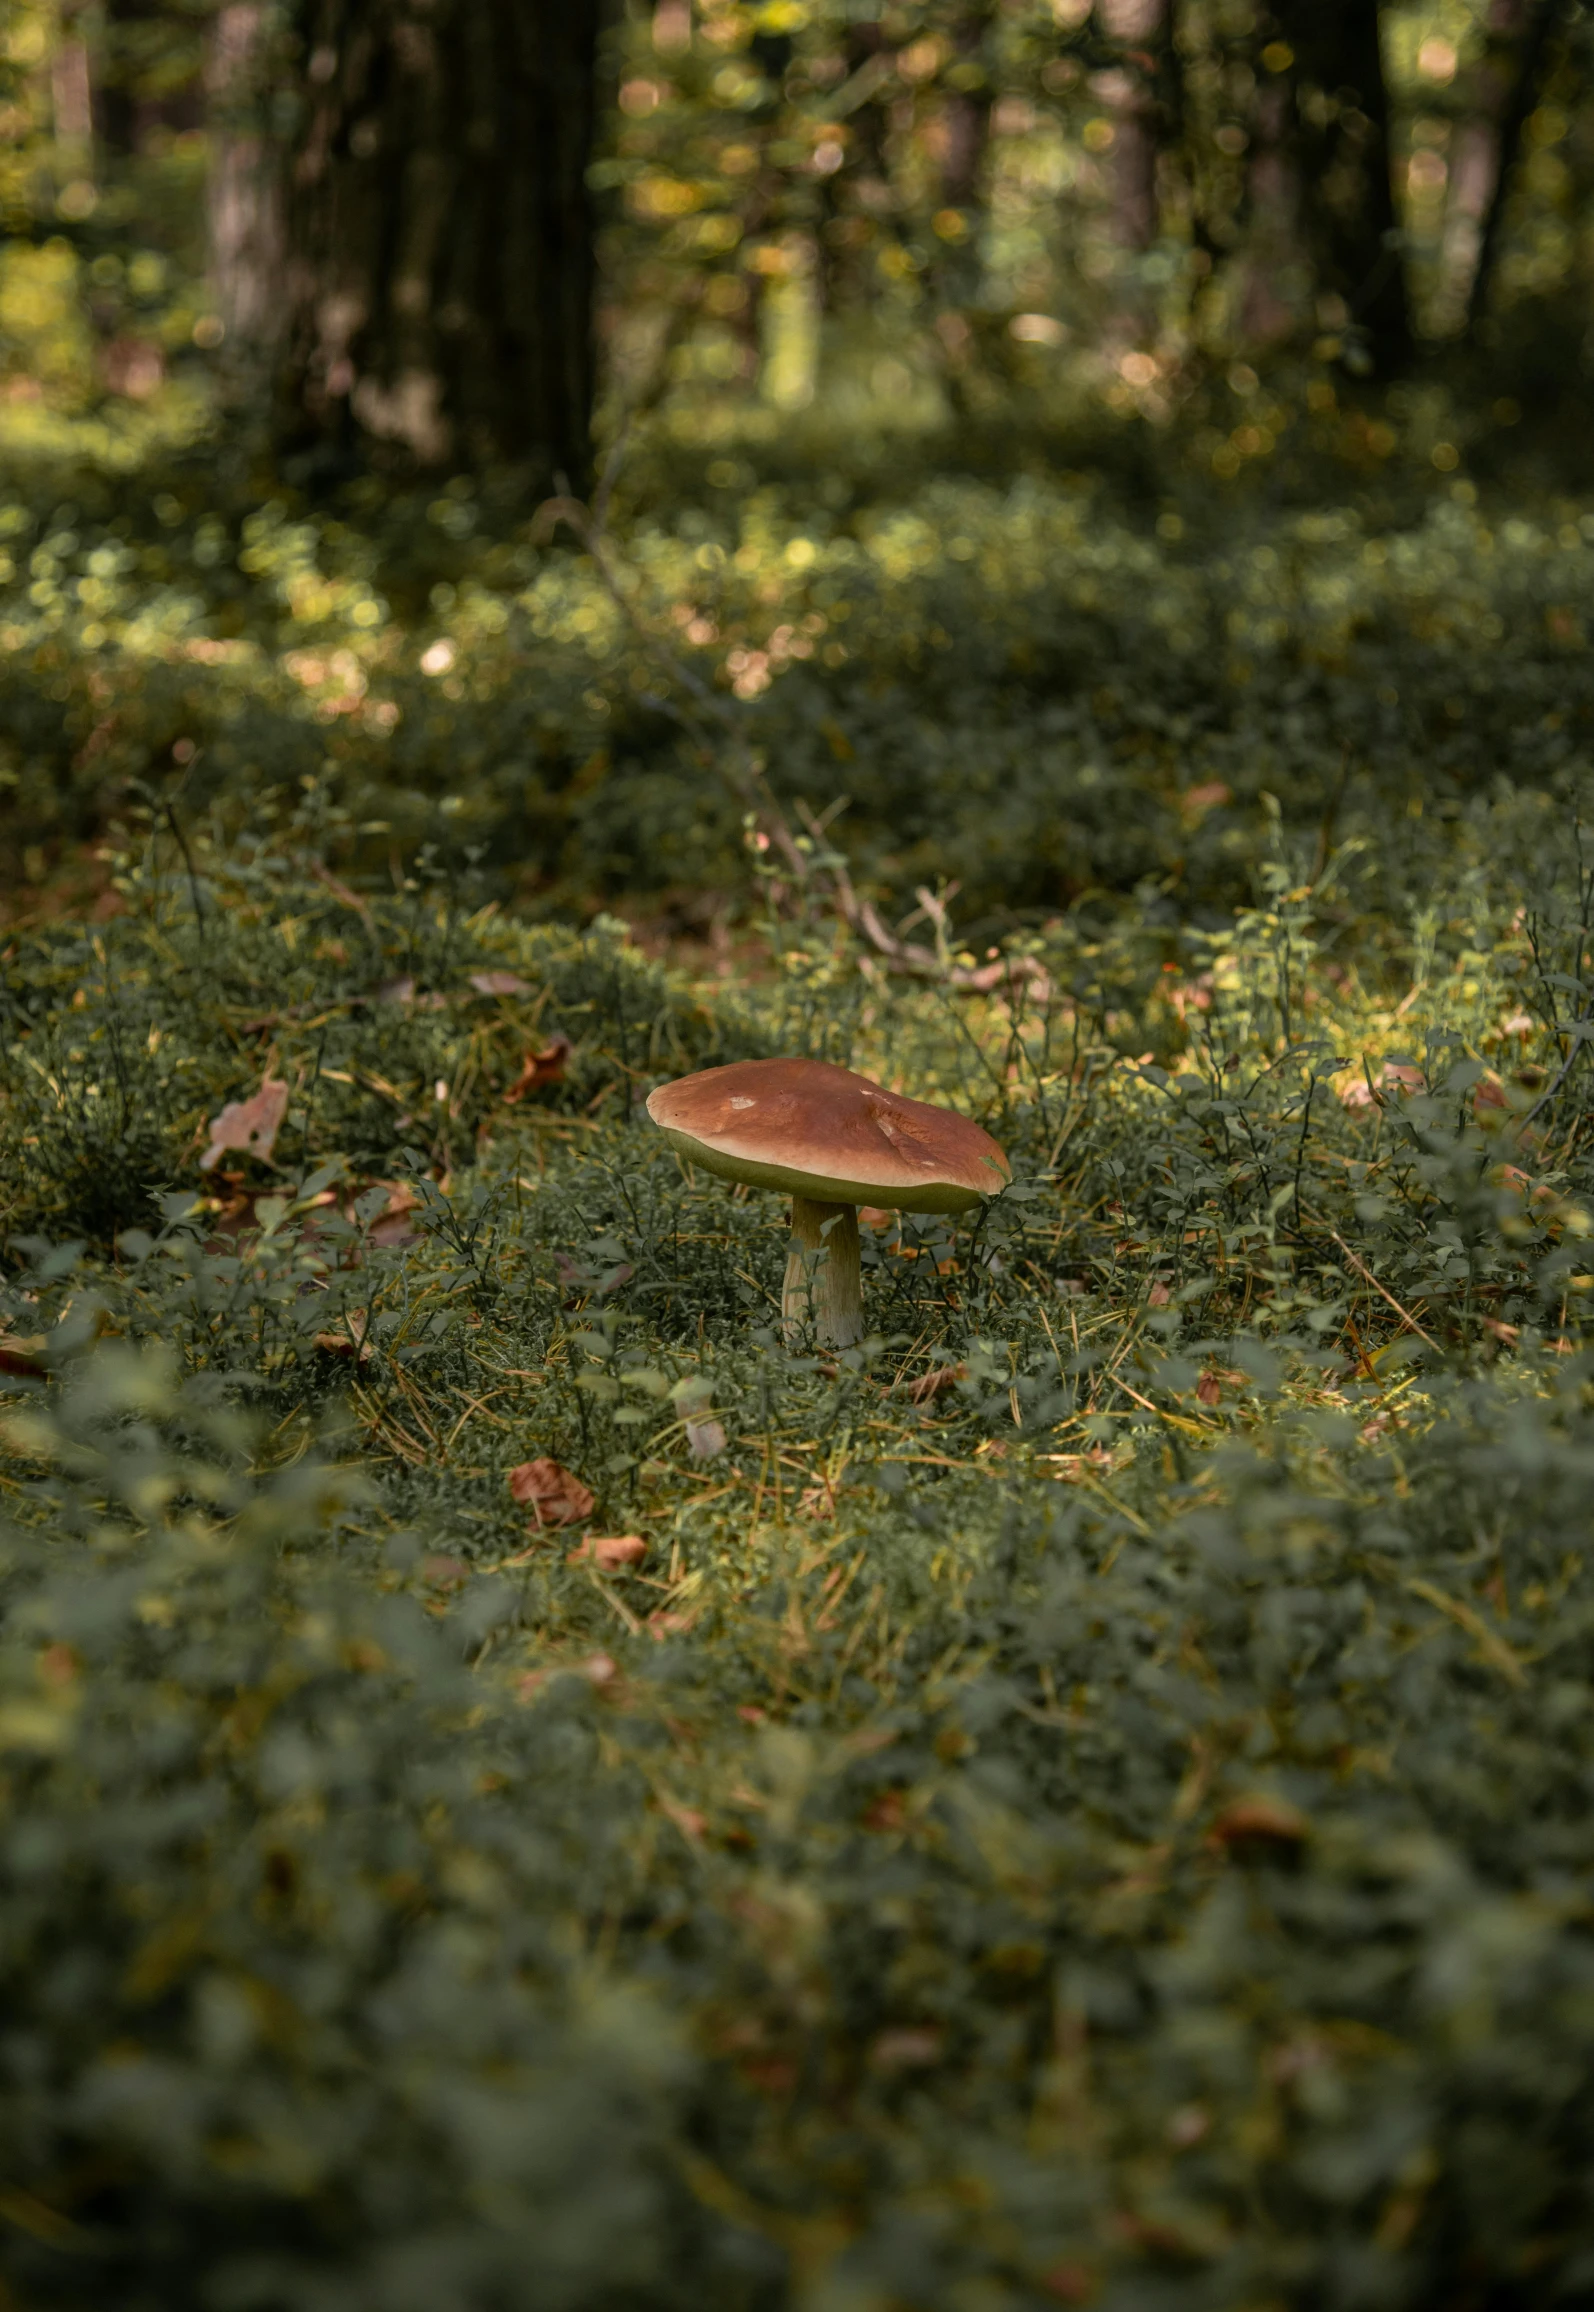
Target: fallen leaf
<point x="1519" y="1024"/>
<point x="555" y="1495"/>
<point x="1159" y="1296"/>
<point x="393" y="1226"/>
<point x="909" y="2049"/>
<point x="610" y="1551"/>
<point x="539" y="1068"/>
<point x="599" y="1670"/>
<point x="929" y="1386"/>
<point x="249" y="1125"/>
<point x="1394" y="1076"/>
<point x="1206" y="797"/>
<point x="498" y="983"/>
<point x="22" y="1353"/>
<point x="1209" y="1389"/>
<point x="704" y="1439"/>
<point x="872" y="1216"/>
<point x="396" y="990"/>
<point x="1070" y="2283"/>
<point x="444" y="1572"/>
<point x="1260" y="1819"/>
<point x="350" y="1341"/>
<point x="686" y="1819"/>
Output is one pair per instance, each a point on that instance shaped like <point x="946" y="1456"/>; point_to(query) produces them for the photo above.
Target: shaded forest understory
<point x="1049" y="558"/>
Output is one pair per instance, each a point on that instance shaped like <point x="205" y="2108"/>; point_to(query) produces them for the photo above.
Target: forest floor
<point x="520" y="1787"/>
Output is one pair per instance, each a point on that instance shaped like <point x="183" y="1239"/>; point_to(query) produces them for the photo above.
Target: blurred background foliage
<point x="999" y="408"/>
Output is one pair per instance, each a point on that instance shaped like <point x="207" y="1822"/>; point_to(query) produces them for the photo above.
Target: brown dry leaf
<point x="909" y="2048"/>
<point x="393" y="1225"/>
<point x="22" y="1353"/>
<point x="686" y="1819"/>
<point x="249" y="1125"/>
<point x="1070" y="2283"/>
<point x="351" y="1340"/>
<point x="539" y="1068"/>
<point x="554" y="1495"/>
<point x="442" y="1572"/>
<point x="1261" y="1818"/>
<point x="1393" y="1076"/>
<point x="611" y="1551"/>
<point x="1209" y="1389"/>
<point x="498" y="983"/>
<point x="929" y="1386"/>
<point x="1195" y="800"/>
<point x="599" y="1670"/>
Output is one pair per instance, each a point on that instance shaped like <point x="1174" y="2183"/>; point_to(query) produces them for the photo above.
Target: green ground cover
<point x="1083" y="1799"/>
<point x="1030" y="679"/>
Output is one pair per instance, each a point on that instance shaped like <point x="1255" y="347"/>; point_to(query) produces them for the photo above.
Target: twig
<point x="1362" y="1270"/>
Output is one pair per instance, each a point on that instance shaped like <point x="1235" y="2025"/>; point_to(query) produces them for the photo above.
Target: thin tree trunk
<point x="1509" y="87"/>
<point x="243" y="195"/>
<point x="1136" y="31"/>
<point x="965" y="136"/>
<point x="1275" y="303"/>
<point x="439" y="275"/>
<point x="1343" y="144"/>
<point x="845" y="232"/>
<point x="138" y="92"/>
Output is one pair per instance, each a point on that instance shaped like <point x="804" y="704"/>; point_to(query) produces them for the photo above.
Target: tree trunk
<point x="243" y="195"/>
<point x="1276" y="297"/>
<point x="439" y="275"/>
<point x="146" y="76"/>
<point x="1135" y="33"/>
<point x="1509" y="84"/>
<point x="963" y="137"/>
<point x="1342" y="132"/>
<point x="1135" y="30"/>
<point x="857" y="200"/>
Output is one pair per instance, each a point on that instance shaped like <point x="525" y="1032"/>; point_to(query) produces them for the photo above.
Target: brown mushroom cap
<point x="819" y="1131"/>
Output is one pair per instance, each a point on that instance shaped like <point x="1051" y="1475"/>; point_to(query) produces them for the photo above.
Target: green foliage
<point x="1021" y="685"/>
<point x="1081" y="1799"/>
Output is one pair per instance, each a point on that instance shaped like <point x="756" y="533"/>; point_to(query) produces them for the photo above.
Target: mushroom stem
<point x="824" y="1281"/>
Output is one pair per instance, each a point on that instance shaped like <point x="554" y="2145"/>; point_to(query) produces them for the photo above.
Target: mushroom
<point x="832" y="1140"/>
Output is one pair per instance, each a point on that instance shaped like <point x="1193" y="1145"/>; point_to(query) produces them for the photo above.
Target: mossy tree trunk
<point x="439" y="275"/>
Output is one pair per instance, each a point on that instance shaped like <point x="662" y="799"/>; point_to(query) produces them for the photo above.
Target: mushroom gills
<point x="824" y="1278"/>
